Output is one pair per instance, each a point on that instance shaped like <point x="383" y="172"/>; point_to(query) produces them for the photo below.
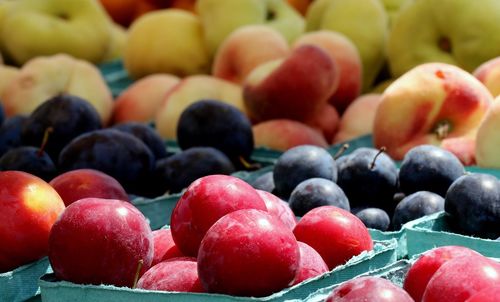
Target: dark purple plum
<point x="369" y="178"/>
<point x="213" y="123"/>
<point x="2" y="114"/>
<point x="300" y="163"/>
<point x="29" y="159"/>
<point x="178" y="171"/>
<point x="429" y="168"/>
<point x="416" y="205"/>
<point x="116" y="153"/>
<point x="264" y="182"/>
<point x="10" y="132"/>
<point x="148" y="135"/>
<point x="473" y="201"/>
<point x="315" y="192"/>
<point x="67" y="115"/>
<point x="374" y="218"/>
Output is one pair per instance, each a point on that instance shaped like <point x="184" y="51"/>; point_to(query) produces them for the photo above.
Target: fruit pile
<point x="220" y="78"/>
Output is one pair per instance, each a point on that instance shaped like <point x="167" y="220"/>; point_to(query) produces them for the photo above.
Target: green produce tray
<point x="115" y="76"/>
<point x="399" y="236"/>
<point x="394" y="272"/>
<point x="157" y="210"/>
<point x="434" y="230"/>
<point x="21" y="284"/>
<point x="53" y="290"/>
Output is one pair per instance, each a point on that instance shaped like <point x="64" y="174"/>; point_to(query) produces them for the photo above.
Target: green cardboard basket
<point x="53" y="290"/>
<point x="157" y="210"/>
<point x="434" y="230"/>
<point x="399" y="236"/>
<point x="21" y="284"/>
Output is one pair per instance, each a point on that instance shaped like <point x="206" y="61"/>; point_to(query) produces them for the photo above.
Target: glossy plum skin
<point x="118" y="154"/>
<point x="300" y="163"/>
<point x="29" y="159"/>
<point x="372" y="289"/>
<point x="473" y="201"/>
<point x="148" y="135"/>
<point x="416" y="205"/>
<point x="100" y="241"/>
<point x="179" y="275"/>
<point x="248" y="253"/>
<point x="489" y="294"/>
<point x="367" y="185"/>
<point x="264" y="182"/>
<point x="68" y="115"/>
<point x="460" y="278"/>
<point x="343" y="235"/>
<point x="429" y="168"/>
<point x="311" y="264"/>
<point x="427" y="264"/>
<point x="374" y="218"/>
<point x="279" y="208"/>
<point x="205" y="201"/>
<point x="178" y="171"/>
<point x="10" y="132"/>
<point x="315" y="192"/>
<point x="164" y="246"/>
<point x="213" y="123"/>
<point x="82" y="183"/>
<point x="28" y="209"/>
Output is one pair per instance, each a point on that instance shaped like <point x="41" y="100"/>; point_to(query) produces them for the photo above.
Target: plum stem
<point x="137" y="273"/>
<point x="248" y="165"/>
<point x="382" y="150"/>
<point x="341" y="151"/>
<point x="44" y="141"/>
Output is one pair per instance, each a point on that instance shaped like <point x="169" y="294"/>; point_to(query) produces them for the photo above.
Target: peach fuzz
<point x="343" y="51"/>
<point x="358" y="118"/>
<point x="44" y="77"/>
<point x="245" y="48"/>
<point x="489" y="74"/>
<point x="488" y="138"/>
<point x="326" y="121"/>
<point x="190" y="90"/>
<point x="283" y="134"/>
<point x="295" y="87"/>
<point x="141" y="100"/>
<point x="434" y="103"/>
<point x="7" y="73"/>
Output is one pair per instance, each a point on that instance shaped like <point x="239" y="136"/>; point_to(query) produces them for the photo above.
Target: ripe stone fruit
<point x="300" y="163"/>
<point x="164" y="246"/>
<point x="429" y="168"/>
<point x="373" y="289"/>
<point x="315" y="192"/>
<point x="343" y="235"/>
<point x="427" y="264"/>
<point x="82" y="183"/>
<point x="374" y="218"/>
<point x="460" y="278"/>
<point x="29" y="159"/>
<point x="489" y="294"/>
<point x="28" y="208"/>
<point x="311" y="264"/>
<point x="473" y="201"/>
<point x="368" y="178"/>
<point x="416" y="205"/>
<point x="279" y="208"/>
<point x="248" y="253"/>
<point x="100" y="241"/>
<point x="180" y="275"/>
<point x="205" y="201"/>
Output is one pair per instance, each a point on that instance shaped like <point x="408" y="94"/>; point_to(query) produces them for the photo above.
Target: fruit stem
<point x="382" y="150"/>
<point x="138" y="272"/>
<point x="341" y="151"/>
<point x="442" y="130"/>
<point x="248" y="165"/>
<point x="44" y="141"/>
